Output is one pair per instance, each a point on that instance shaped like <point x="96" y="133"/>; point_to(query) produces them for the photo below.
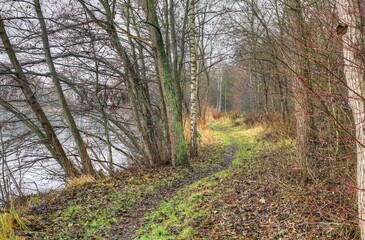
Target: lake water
<point x="29" y="161"/>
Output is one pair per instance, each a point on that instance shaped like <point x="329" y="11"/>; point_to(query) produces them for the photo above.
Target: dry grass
<point x="10" y="221"/>
<point x="80" y="181"/>
<point x="205" y="134"/>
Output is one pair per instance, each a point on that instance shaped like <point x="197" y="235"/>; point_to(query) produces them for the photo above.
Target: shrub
<point x="217" y="115"/>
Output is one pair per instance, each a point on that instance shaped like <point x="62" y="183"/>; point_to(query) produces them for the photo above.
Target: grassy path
<point x="113" y="208"/>
<point x="240" y="189"/>
<point x="189" y="214"/>
<point x="147" y="205"/>
<point x="256" y="197"/>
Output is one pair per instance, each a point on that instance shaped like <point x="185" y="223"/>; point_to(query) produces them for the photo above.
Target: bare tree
<point x="350" y="31"/>
<point x="179" y="150"/>
<point x="85" y="159"/>
<point x="33" y="102"/>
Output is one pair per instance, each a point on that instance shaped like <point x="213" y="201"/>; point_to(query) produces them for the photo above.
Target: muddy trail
<point x="127" y="227"/>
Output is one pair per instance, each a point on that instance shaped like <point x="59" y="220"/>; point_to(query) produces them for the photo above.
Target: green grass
<point x="176" y="217"/>
<point x="98" y="206"/>
<point x="93" y="212"/>
<point x="249" y="145"/>
<point x="90" y="211"/>
<point x="179" y="217"/>
<point x="35" y="200"/>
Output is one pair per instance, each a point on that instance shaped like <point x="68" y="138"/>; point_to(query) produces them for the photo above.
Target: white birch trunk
<point x="193" y="84"/>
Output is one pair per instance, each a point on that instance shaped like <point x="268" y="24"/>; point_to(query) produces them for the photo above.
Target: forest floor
<point x="240" y="188"/>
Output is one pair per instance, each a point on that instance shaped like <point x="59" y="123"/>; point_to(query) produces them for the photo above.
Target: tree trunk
<point x="81" y="147"/>
<point x="62" y="159"/>
<point x="194" y="83"/>
<point x="300" y="77"/>
<point x="349" y="14"/>
<point x="179" y="151"/>
<point x="137" y="91"/>
<point x="162" y="133"/>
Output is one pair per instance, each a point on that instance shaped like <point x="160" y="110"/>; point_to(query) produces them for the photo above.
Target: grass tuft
<point x="10" y="222"/>
<point x="80" y="181"/>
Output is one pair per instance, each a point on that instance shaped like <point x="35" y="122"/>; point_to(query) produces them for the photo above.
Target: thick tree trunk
<point x="299" y="86"/>
<point x="62" y="159"/>
<point x="161" y="135"/>
<point x="179" y="150"/>
<point x="80" y="145"/>
<point x="349" y="14"/>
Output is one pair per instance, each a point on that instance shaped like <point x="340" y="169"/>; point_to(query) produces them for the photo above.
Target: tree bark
<point x="299" y="87"/>
<point x="179" y="150"/>
<point x="194" y="82"/>
<point x="349" y="14"/>
<point x="32" y="100"/>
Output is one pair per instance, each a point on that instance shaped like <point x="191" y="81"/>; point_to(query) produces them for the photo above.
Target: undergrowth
<point x="91" y="209"/>
<point x="258" y="197"/>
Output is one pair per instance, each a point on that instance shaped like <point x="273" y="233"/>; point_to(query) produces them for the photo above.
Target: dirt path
<point x="251" y="198"/>
<point x="133" y="218"/>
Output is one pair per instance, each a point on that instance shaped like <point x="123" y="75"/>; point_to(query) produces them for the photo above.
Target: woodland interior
<point x="182" y="119"/>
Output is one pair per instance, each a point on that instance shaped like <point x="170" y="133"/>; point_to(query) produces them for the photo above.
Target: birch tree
<point x="194" y="82"/>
